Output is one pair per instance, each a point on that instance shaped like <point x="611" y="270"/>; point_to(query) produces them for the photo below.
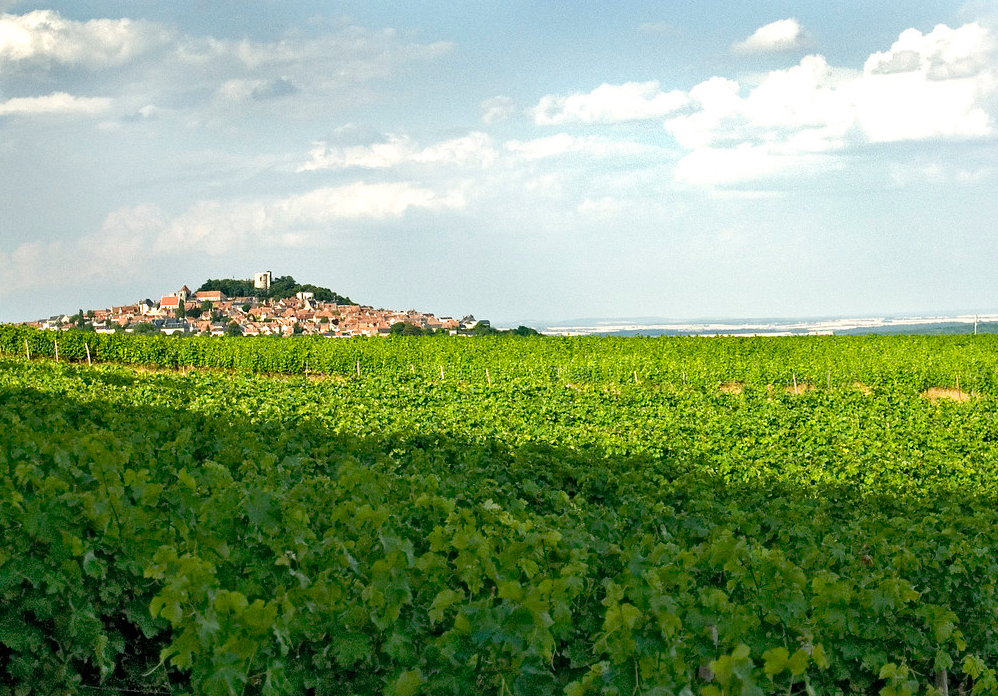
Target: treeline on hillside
<point x="482" y="328"/>
<point x="281" y="288"/>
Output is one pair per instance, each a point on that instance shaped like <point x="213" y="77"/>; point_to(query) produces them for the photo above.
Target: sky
<point x="522" y="161"/>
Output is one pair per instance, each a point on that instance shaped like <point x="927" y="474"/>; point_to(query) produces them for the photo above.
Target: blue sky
<point x="518" y="160"/>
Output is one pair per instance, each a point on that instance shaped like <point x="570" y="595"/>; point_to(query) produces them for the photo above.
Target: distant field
<point x="522" y="516"/>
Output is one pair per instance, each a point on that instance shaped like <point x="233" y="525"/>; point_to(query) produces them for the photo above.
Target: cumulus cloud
<point x="792" y="116"/>
<point x="942" y="54"/>
<point x="55" y="103"/>
<point x="473" y="150"/>
<point x="781" y="36"/>
<point x="44" y="37"/>
<point x="607" y="103"/>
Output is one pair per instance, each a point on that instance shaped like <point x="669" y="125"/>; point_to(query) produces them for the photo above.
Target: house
<point x="214" y="296"/>
<point x="170" y="303"/>
<point x="172" y="326"/>
<point x="56" y="322"/>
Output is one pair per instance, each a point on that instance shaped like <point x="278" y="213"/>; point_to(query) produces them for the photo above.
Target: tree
<point x="404" y="328"/>
<point x="281" y="288"/>
<point x="180" y="312"/>
<point x="233" y="329"/>
<point x="483" y="328"/>
<point x="230" y="287"/>
<point x="145" y="328"/>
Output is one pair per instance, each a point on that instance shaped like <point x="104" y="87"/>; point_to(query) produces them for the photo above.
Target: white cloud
<point x="154" y="63"/>
<point x="132" y="239"/>
<point x="473" y="150"/>
<point x="781" y="36"/>
<point x="607" y="103"/>
<point x="497" y="109"/>
<point x="118" y="250"/>
<point x="934" y="86"/>
<point x="45" y="37"/>
<point x="29" y="266"/>
<point x="745" y="162"/>
<point x="217" y="227"/>
<point x="55" y="103"/>
<point x="929" y="86"/>
<point x="942" y="54"/>
<point x="563" y="143"/>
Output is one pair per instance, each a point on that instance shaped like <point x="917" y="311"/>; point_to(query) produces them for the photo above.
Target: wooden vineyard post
<point x="358" y="368"/>
<point x="488" y="377"/>
<point x="829" y="380"/>
<point x="636" y="377"/>
<point x="441" y="372"/>
<point x="795" y="382"/>
<point x="27" y="350"/>
<point x="86" y="346"/>
<point x="55" y="342"/>
<point x="942" y="682"/>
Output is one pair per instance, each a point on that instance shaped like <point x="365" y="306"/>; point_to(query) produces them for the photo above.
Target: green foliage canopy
<point x="281" y="287"/>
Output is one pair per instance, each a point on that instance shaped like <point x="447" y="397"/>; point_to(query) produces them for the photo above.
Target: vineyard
<point x="509" y="516"/>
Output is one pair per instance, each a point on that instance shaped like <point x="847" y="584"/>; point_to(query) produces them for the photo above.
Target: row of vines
<point x="970" y="362"/>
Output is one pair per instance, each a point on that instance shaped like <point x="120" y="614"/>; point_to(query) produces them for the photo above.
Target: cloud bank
<point x="801" y="120"/>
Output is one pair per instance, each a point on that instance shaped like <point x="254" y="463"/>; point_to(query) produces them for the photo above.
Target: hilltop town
<point x="210" y="312"/>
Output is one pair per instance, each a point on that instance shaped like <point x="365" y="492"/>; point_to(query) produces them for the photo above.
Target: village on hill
<point x="212" y="313"/>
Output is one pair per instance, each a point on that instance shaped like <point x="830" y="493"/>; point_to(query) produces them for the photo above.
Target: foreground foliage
<point x="587" y="517"/>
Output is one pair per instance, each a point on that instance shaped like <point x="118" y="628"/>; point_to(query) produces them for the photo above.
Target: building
<point x="215" y="296"/>
<point x="170" y="303"/>
<point x="261" y="281"/>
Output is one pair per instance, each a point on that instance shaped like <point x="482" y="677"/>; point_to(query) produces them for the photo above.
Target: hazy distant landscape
<point x="961" y="324"/>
